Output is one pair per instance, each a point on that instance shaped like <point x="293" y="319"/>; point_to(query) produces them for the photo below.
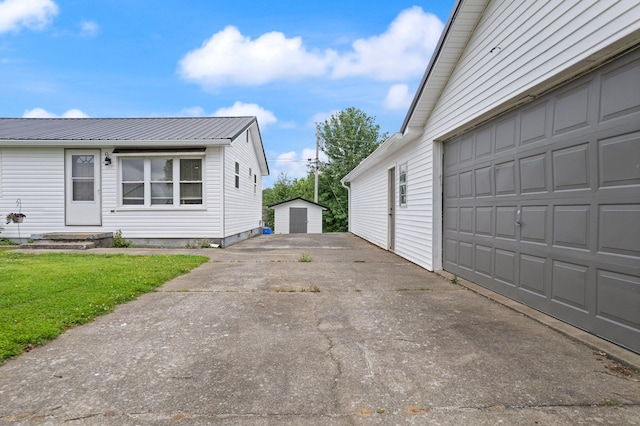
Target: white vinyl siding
<point x="43" y="199"/>
<point x="368" y="213"/>
<point x="243" y="209"/>
<point x="533" y="43"/>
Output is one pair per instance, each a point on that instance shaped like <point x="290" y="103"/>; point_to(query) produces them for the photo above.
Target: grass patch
<point x="41" y="295"/>
<point x="305" y="257"/>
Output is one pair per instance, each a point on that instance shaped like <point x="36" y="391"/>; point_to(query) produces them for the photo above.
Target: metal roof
<point x="124" y="129"/>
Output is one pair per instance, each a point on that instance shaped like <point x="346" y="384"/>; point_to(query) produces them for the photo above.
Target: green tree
<point x="349" y="136"/>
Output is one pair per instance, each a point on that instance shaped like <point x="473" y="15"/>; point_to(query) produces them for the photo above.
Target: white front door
<point x="83" y="187"/>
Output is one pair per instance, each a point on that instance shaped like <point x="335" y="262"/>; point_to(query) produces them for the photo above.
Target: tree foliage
<point x="349" y="136"/>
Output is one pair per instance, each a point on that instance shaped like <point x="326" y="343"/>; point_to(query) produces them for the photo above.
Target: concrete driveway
<point x="356" y="336"/>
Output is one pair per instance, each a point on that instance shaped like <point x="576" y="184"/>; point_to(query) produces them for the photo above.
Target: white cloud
<point x="294" y="164"/>
<point x="231" y="58"/>
<point x="89" y="28"/>
<point x="401" y="52"/>
<point x="42" y="113"/>
<point x="32" y="14"/>
<point x="192" y="112"/>
<point x="321" y="117"/>
<point x="240" y="109"/>
<point x="398" y="97"/>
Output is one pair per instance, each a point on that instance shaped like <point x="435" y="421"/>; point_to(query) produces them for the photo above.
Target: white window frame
<point x="402" y="184"/>
<point x="146" y="157"/>
<point x="237" y="175"/>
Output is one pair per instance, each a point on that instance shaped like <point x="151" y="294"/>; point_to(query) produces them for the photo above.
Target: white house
<point x="297" y="216"/>
<point x="162" y="181"/>
<point x="518" y="163"/>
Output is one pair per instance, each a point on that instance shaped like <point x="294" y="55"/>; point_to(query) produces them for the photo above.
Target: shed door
<point x="82" y="182"/>
<point x="543" y="204"/>
<point x="297" y="220"/>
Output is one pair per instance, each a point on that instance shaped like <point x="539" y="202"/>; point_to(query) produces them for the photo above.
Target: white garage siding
<point x="368" y="206"/>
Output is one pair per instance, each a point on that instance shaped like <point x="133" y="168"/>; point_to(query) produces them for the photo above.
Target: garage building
<point x="518" y="164"/>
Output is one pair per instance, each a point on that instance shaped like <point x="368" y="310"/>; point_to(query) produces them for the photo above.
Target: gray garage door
<point x="543" y="203"/>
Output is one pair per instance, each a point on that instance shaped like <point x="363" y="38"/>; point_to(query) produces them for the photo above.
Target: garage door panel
<point x="484" y="221"/>
<point x="548" y="211"/>
<point x="534" y="125"/>
<point x="506" y="218"/>
<point x="505" y="178"/>
<point x="619" y="298"/>
<point x="533" y="226"/>
<point x="483" y="144"/>
<point x="571" y="226"/>
<point x="505" y="266"/>
<point x="533" y="175"/>
<point x="619" y="160"/>
<point x="465" y="255"/>
<point x="571" y="109"/>
<point x="533" y="275"/>
<point x="466" y="184"/>
<point x="620" y="91"/>
<point x="466" y="149"/>
<point x="571" y="168"/>
<point x="505" y="136"/>
<point x="619" y="230"/>
<point x="483" y="260"/>
<point x="483" y="182"/>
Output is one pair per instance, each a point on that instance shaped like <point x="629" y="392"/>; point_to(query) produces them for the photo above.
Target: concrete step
<point x="75" y="236"/>
<point x="58" y="245"/>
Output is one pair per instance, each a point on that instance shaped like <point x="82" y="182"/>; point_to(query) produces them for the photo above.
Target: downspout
<point x="348" y="205"/>
<point x="223" y="192"/>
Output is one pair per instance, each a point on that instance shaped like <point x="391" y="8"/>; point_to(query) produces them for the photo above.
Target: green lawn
<point x="41" y="295"/>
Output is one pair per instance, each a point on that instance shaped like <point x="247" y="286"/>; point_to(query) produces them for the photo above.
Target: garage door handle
<point x="518" y="223"/>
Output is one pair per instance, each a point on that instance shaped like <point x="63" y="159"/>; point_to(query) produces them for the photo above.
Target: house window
<point x="161" y="181"/>
<point x="403" y="184"/>
<point x="255" y="183"/>
<point x="237" y="175"/>
<point x="250" y="173"/>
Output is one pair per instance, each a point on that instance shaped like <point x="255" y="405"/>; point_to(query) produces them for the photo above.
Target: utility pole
<point x="315" y="190"/>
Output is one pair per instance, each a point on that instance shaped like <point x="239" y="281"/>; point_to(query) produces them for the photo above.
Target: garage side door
<point x="543" y="204"/>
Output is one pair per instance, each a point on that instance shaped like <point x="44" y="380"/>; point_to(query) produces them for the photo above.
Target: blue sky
<point x="291" y="63"/>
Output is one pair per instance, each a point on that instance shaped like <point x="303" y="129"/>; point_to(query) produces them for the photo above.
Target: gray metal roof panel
<point x="113" y="129"/>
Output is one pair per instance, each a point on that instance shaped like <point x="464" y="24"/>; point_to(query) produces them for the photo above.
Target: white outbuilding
<point x="297" y="216"/>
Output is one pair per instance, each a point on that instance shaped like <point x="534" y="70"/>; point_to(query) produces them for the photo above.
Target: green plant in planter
<point x="15" y="217"/>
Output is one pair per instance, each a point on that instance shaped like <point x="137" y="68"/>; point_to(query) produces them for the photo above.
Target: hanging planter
<point x="16" y="217"/>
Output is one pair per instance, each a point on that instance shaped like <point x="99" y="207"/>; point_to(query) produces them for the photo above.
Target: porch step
<point x="70" y="241"/>
<point x="59" y="245"/>
<point x="73" y="236"/>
